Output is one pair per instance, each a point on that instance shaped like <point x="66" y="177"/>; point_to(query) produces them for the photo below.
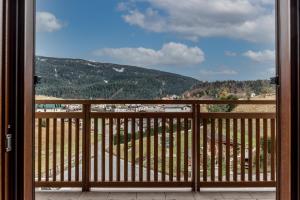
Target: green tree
<point x="223" y="107"/>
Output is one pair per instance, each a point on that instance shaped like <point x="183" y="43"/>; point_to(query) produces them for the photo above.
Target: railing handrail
<point x="84" y="124"/>
<point x="105" y="101"/>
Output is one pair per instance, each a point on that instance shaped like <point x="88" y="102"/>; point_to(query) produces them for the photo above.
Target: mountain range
<point x="81" y="79"/>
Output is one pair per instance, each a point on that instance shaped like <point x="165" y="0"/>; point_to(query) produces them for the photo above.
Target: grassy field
<point x="58" y="145"/>
<point x="122" y="150"/>
<point x="159" y="150"/>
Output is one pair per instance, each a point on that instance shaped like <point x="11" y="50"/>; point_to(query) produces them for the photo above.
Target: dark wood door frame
<point x="295" y="101"/>
<point x="5" y="85"/>
<point x="288" y="12"/>
<point x="288" y="96"/>
<point x="16" y="98"/>
<point x="28" y="98"/>
<point x="288" y="100"/>
<point x="8" y="72"/>
<point x="285" y="98"/>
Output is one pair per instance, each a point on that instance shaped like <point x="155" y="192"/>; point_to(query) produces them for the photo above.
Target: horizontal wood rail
<point x="90" y="102"/>
<point x="95" y="148"/>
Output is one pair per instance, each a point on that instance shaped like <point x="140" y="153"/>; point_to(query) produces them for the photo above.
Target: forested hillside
<point x="81" y="79"/>
<point x="242" y="89"/>
<point x="76" y="78"/>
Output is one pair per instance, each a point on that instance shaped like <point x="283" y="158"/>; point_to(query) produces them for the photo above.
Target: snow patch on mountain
<point x="120" y="70"/>
<point x="90" y="64"/>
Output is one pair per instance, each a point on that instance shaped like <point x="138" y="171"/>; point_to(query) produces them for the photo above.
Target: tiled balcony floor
<point x="155" y="196"/>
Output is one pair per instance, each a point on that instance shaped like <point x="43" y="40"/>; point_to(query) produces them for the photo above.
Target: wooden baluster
<point x="103" y="149"/>
<point x="155" y="149"/>
<point x="148" y="150"/>
<point x="220" y="148"/>
<point x="257" y="163"/>
<point x="126" y="149"/>
<point x="118" y="149"/>
<point x="265" y="152"/>
<point x="54" y="142"/>
<point x="171" y="150"/>
<point x="227" y="149"/>
<point x="163" y="150"/>
<point x="273" y="147"/>
<point x="47" y="150"/>
<point x="197" y="137"/>
<point x="95" y="149"/>
<point x="243" y="149"/>
<point x="141" y="156"/>
<point x="250" y="148"/>
<point x="77" y="149"/>
<point x="69" y="149"/>
<point x="40" y="133"/>
<point x="133" y="149"/>
<point x="204" y="150"/>
<point x="186" y="151"/>
<point x="62" y="149"/>
<point x="178" y="149"/>
<point x="111" y="149"/>
<point x="235" y="148"/>
<point x="212" y="164"/>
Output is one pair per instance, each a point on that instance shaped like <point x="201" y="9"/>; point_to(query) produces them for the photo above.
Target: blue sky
<point x="204" y="39"/>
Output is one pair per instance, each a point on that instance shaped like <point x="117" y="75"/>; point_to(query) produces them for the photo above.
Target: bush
<point x="223" y="107"/>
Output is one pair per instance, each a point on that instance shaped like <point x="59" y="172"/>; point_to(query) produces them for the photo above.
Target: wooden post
<point x="197" y="139"/>
<point x="86" y="109"/>
<point x="194" y="147"/>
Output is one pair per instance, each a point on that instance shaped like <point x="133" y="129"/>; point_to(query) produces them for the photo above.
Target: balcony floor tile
<point x="155" y="196"/>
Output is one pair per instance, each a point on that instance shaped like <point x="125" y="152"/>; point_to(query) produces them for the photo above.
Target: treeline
<point x="239" y="88"/>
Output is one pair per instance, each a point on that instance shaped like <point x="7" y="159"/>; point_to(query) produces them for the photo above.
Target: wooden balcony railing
<point x="87" y="146"/>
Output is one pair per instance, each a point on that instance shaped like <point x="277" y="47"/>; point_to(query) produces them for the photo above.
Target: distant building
<point x="49" y="108"/>
<point x="149" y="108"/>
<point x="122" y="110"/>
<point x="73" y="108"/>
<point x="177" y="108"/>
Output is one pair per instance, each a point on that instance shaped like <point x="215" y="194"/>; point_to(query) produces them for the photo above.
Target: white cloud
<point x="251" y="20"/>
<point x="272" y="71"/>
<point x="170" y="54"/>
<point x="225" y="72"/>
<point x="261" y="56"/>
<point x="267" y="2"/>
<point x="47" y="22"/>
<point x="150" y="20"/>
<point x="122" y="6"/>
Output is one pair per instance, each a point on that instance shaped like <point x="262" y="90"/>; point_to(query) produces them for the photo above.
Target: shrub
<point x="223" y="107"/>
